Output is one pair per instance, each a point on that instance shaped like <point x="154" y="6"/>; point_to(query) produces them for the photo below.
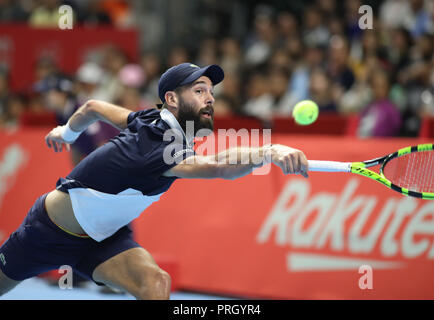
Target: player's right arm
<point x="238" y="162"/>
<point x="88" y="113"/>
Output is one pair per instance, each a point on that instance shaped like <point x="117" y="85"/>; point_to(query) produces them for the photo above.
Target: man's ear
<point x="171" y="99"/>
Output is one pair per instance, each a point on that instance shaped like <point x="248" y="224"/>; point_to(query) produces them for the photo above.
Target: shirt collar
<point x="170" y="119"/>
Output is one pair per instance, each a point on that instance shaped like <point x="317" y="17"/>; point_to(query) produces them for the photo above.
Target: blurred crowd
<point x="384" y="75"/>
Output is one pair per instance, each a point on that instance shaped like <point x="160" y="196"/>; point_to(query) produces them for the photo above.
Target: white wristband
<point x="68" y="134"/>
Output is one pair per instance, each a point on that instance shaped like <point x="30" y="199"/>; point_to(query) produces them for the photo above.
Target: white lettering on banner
<point x="279" y="216"/>
<point x="14" y="157"/>
<point x="322" y="203"/>
<point x="366" y="244"/>
<point x="344" y="223"/>
<point x="344" y="209"/>
<point x="418" y="225"/>
<point x="302" y="262"/>
<point x="389" y="245"/>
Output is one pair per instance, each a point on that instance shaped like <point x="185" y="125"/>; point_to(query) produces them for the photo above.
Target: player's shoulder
<point x="149" y="119"/>
<point x="145" y="115"/>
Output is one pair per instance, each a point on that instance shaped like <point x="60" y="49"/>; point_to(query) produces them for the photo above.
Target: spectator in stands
<point x="35" y="105"/>
<point x="283" y="101"/>
<point x="381" y="118"/>
<point x="15" y="105"/>
<point x="45" y="14"/>
<point x="89" y="78"/>
<point x="58" y="96"/>
<point x="259" y="101"/>
<point x="12" y="11"/>
<point x="151" y="65"/>
<point x="177" y="55"/>
<point x="132" y="78"/>
<point x="119" y="12"/>
<point x="222" y="107"/>
<point x="113" y="61"/>
<point x="395" y="13"/>
<point x="92" y="14"/>
<point x="260" y="43"/>
<point x="337" y="68"/>
<point x="354" y="100"/>
<point x="231" y="55"/>
<point x="416" y="80"/>
<point x="331" y="15"/>
<point x="287" y="27"/>
<point x="45" y="67"/>
<point x="327" y="37"/>
<point x="207" y="52"/>
<point x="280" y="60"/>
<point x="231" y="93"/>
<point x="4" y="91"/>
<point x="295" y="48"/>
<point x="328" y="9"/>
<point x="368" y="46"/>
<point x="399" y="50"/>
<point x="422" y="21"/>
<point x="299" y="82"/>
<point x="416" y="16"/>
<point x="320" y="91"/>
<point x="352" y="16"/>
<point x="314" y="32"/>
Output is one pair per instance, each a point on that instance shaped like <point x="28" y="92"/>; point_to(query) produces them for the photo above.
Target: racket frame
<point x="361" y="169"/>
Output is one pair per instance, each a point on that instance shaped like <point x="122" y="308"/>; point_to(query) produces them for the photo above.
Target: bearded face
<point x="199" y="118"/>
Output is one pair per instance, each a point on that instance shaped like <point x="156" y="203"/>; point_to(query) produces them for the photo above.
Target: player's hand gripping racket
<point x="409" y="171"/>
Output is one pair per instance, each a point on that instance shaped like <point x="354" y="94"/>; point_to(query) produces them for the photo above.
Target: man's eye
<point x="199" y="91"/>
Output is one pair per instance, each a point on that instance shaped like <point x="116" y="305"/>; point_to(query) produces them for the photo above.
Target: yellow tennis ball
<point x="305" y="112"/>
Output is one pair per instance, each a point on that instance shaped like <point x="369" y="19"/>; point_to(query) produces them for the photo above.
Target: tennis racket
<point x="409" y="171"/>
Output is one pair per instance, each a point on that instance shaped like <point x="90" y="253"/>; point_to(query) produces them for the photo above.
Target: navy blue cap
<point x="186" y="73"/>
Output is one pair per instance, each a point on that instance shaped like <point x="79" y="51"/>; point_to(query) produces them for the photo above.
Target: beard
<point x="187" y="114"/>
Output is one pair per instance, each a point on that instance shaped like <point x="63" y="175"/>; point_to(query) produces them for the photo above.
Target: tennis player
<point x="83" y="223"/>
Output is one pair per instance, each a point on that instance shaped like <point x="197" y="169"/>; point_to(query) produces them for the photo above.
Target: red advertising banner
<point x="331" y="236"/>
<point x="28" y="168"/>
<point x="21" y="46"/>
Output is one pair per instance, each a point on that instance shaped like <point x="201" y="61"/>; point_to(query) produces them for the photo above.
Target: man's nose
<point x="210" y="99"/>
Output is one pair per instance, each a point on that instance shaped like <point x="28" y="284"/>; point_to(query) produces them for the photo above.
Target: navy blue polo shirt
<point x="124" y="176"/>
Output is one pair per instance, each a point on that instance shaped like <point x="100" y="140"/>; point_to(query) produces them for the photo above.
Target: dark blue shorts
<point x="39" y="245"/>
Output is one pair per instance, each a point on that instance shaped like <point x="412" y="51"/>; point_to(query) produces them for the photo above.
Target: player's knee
<point x="156" y="285"/>
<point x="4" y="289"/>
<point x="6" y="284"/>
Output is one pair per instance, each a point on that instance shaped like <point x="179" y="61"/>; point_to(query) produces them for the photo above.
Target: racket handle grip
<point x="329" y="166"/>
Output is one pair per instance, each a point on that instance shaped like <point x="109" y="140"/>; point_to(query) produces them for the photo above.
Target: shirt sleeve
<point x="134" y="115"/>
<point x="136" y="120"/>
<point x="165" y="155"/>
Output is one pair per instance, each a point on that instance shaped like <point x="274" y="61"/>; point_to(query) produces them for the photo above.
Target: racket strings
<point x="414" y="171"/>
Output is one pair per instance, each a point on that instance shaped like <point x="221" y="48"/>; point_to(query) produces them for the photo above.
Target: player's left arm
<point x="88" y="113"/>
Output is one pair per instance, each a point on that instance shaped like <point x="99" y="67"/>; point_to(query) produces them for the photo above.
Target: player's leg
<point x="6" y="283"/>
<point x="37" y="246"/>
<point x="136" y="272"/>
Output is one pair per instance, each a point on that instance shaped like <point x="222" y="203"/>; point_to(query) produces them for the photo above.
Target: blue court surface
<point x="39" y="289"/>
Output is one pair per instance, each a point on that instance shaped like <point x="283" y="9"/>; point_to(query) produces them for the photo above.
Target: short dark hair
<point x="178" y="91"/>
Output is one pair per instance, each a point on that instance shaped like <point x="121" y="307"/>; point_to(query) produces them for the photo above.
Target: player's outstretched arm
<point x="238" y="162"/>
<point x="88" y="113"/>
